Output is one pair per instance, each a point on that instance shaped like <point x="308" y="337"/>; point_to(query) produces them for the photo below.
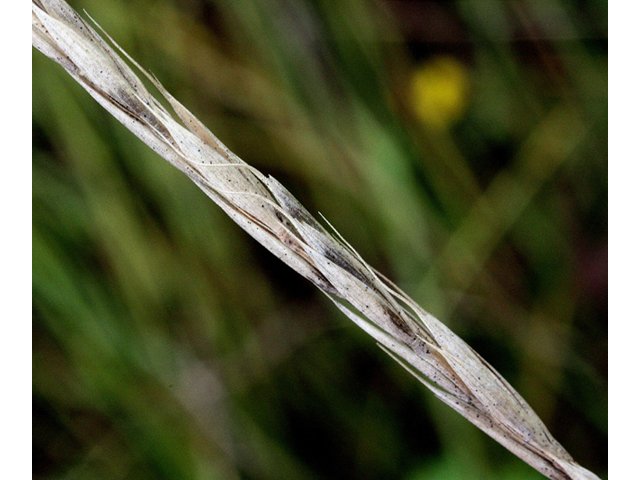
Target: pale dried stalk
<point x="268" y="212"/>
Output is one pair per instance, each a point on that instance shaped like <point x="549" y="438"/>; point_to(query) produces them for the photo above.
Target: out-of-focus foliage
<point x="460" y="147"/>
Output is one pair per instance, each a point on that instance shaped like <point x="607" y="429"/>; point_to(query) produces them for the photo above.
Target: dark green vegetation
<point x="460" y="147"/>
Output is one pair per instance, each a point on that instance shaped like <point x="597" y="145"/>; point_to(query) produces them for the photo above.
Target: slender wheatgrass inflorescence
<point x="269" y="213"/>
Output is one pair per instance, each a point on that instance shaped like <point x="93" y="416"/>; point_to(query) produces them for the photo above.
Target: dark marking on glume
<point x="299" y="213"/>
<point x="397" y="321"/>
<point x="323" y="284"/>
<point x="339" y="259"/>
<point x="140" y="112"/>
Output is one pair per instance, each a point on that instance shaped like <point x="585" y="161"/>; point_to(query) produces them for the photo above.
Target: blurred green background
<point x="459" y="146"/>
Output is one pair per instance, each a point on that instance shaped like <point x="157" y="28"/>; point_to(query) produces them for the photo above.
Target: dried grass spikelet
<point x="267" y="211"/>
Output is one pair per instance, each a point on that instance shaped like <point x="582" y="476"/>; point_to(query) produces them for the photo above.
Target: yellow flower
<point x="439" y="91"/>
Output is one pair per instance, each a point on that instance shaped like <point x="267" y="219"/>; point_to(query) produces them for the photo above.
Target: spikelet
<point x="268" y="212"/>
